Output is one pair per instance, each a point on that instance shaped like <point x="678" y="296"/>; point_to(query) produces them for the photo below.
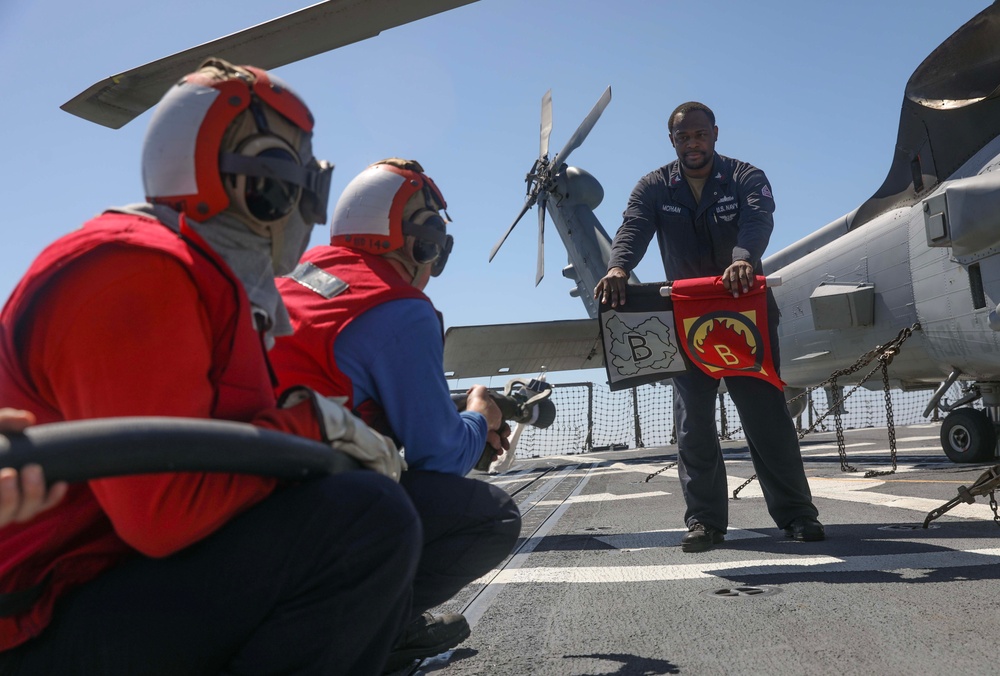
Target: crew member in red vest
<point x="365" y="330"/>
<point x="164" y="308"/>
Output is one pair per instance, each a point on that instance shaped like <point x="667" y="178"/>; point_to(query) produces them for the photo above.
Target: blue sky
<point x="808" y="91"/>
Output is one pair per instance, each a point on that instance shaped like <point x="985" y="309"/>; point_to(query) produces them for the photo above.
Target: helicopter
<point x="922" y="253"/>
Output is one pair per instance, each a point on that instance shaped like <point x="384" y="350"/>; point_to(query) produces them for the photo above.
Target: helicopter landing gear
<point x="968" y="435"/>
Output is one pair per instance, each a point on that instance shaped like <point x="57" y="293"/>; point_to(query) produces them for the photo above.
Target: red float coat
<point x="306" y="357"/>
<point x="125" y="317"/>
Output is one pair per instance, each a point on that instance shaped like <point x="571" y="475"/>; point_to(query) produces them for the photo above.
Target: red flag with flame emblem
<point x="724" y="336"/>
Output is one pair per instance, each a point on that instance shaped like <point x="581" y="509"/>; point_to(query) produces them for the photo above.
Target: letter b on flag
<point x="726" y="355"/>
<point x="640" y="351"/>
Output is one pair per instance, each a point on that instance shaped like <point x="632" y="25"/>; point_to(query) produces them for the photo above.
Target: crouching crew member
<point x="365" y="330"/>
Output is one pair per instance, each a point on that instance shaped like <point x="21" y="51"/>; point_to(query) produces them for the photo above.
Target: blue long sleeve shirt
<point x="394" y="355"/>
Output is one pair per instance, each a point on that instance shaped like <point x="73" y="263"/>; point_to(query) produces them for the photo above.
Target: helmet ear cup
<point x="200" y="120"/>
<point x="265" y="201"/>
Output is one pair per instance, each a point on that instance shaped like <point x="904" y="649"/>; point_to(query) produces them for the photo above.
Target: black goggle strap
<point x="315" y="178"/>
<point x="259" y="118"/>
<point x="432" y="195"/>
<point x="438" y="266"/>
<point x="317" y="197"/>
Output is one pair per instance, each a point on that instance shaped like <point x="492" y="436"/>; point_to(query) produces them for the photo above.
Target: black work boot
<point x="427" y="636"/>
<point x="805" y="528"/>
<point x="700" y="538"/>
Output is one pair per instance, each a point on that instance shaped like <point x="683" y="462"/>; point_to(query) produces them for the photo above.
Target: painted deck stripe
<point x="605" y="497"/>
<point x="855" y="489"/>
<point x="908" y="566"/>
<point x="475" y="609"/>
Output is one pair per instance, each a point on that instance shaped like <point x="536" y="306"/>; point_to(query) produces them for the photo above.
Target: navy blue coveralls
<point x="732" y="222"/>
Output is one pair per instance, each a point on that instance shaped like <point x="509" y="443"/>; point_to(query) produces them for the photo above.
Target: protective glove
<point x="348" y="433"/>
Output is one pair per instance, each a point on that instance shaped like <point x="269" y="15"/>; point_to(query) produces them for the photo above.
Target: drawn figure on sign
<point x="646" y="346"/>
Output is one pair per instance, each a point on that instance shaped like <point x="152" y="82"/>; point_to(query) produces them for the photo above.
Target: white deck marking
<point x="645" y="467"/>
<point x="845" y="492"/>
<point x="905" y="565"/>
<point x="899" y="442"/>
<point x="877" y="452"/>
<point x="604" y="497"/>
<point x="670" y="537"/>
<point x="856" y="489"/>
<point x="826" y="447"/>
<point x="474" y="610"/>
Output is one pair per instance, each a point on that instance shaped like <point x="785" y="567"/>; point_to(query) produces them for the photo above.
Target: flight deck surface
<point x="598" y="583"/>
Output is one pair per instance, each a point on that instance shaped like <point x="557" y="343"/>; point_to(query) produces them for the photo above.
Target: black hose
<point x="109" y="447"/>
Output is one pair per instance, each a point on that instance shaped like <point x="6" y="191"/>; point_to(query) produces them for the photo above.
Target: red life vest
<point x="306" y="357"/>
<point x="74" y="541"/>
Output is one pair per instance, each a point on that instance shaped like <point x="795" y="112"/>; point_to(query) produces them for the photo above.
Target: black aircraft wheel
<point x="968" y="435"/>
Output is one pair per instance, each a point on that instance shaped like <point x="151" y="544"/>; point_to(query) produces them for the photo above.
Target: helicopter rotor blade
<point x="581" y="132"/>
<point x="540" y="264"/>
<point x="543" y="173"/>
<point x="530" y="202"/>
<point x="546" y="127"/>
<point x="117" y="100"/>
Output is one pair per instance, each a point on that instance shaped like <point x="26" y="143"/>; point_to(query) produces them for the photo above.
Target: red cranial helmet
<point x="235" y="137"/>
<point x="387" y="202"/>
